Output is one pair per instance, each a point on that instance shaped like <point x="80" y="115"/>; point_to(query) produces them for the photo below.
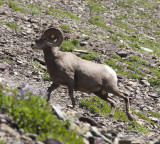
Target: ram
<point x="77" y="74"/>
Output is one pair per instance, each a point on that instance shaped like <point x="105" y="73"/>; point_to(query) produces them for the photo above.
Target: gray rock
<point x="58" y="112"/>
<point x="122" y="53"/>
<point x="52" y="141"/>
<point x="146" y="49"/>
<point x="39" y="142"/>
<point x="84" y="43"/>
<point x="95" y="132"/>
<point x="32" y="136"/>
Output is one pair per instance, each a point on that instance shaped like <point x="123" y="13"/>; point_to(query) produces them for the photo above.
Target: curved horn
<point x="56" y="34"/>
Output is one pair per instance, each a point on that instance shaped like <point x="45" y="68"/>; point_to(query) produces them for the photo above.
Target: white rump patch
<point x="111" y="71"/>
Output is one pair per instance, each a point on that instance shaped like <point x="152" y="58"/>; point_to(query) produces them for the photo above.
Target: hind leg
<point x="116" y="91"/>
<point x="106" y="98"/>
<point x="50" y="89"/>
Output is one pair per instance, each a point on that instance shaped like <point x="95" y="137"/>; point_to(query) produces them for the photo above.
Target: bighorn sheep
<point x="69" y="70"/>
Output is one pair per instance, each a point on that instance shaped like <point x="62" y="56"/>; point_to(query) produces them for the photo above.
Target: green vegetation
<point x="15" y="7"/>
<point x="155" y="114"/>
<point x="123" y="25"/>
<point x="52" y="14"/>
<point x="155" y="81"/>
<point x="91" y="56"/>
<point x="64" y="13"/>
<point x="129" y="74"/>
<point x="96" y="105"/>
<point x="13" y="26"/>
<point x="113" y="64"/>
<point x="67" y="46"/>
<point x="65" y="27"/>
<point x="34" y="115"/>
<point x="1" y="2"/>
<point x="121" y="4"/>
<point x="96" y="8"/>
<point x="98" y="23"/>
<point x="35" y="9"/>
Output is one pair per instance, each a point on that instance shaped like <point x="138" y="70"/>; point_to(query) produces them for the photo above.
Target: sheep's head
<point x="51" y="37"/>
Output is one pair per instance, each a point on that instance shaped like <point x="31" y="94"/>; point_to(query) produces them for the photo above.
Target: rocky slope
<point x="123" y="34"/>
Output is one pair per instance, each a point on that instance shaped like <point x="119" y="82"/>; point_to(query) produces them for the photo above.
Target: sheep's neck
<point x="50" y="52"/>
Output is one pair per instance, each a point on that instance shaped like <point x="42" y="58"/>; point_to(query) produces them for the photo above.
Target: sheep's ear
<point x="49" y="44"/>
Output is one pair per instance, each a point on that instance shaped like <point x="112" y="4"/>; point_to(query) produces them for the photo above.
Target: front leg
<point x="50" y="89"/>
<point x="71" y="89"/>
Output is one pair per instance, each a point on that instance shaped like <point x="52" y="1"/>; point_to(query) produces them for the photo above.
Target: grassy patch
<point x="64" y="13"/>
<point x="96" y="8"/>
<point x="123" y="25"/>
<point x="155" y="114"/>
<point x="13" y="26"/>
<point x="35" y="9"/>
<point x="98" y="23"/>
<point x="121" y="4"/>
<point x="1" y="2"/>
<point x="136" y="59"/>
<point x="91" y="56"/>
<point x="113" y="64"/>
<point x="15" y="7"/>
<point x="155" y="82"/>
<point x="67" y="46"/>
<point x="143" y="116"/>
<point x="34" y="115"/>
<point x="129" y="74"/>
<point x="52" y="14"/>
<point x="65" y="27"/>
<point x="96" y="105"/>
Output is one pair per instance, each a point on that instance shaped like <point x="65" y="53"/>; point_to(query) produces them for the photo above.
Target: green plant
<point x="96" y="8"/>
<point x="138" y="60"/>
<point x="67" y="46"/>
<point x="123" y="25"/>
<point x="129" y="74"/>
<point x="64" y="13"/>
<point x="1" y="2"/>
<point x="98" y="23"/>
<point x="91" y="56"/>
<point x="155" y="82"/>
<point x="45" y="76"/>
<point x="13" y="26"/>
<point x="34" y="115"/>
<point x="113" y="64"/>
<point x="121" y="4"/>
<point x="143" y="116"/>
<point x="15" y="7"/>
<point x="65" y="27"/>
<point x="116" y="57"/>
<point x="155" y="114"/>
<point x="75" y="42"/>
<point x="96" y="105"/>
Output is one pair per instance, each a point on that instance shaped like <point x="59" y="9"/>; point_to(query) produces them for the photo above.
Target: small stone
<point x="84" y="43"/>
<point x="39" y="142"/>
<point x="58" y="112"/>
<point x="145" y="82"/>
<point x="52" y="141"/>
<point x="122" y="53"/>
<point x="146" y="49"/>
<point x="15" y="73"/>
<point x="32" y="136"/>
<point x="156" y="120"/>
